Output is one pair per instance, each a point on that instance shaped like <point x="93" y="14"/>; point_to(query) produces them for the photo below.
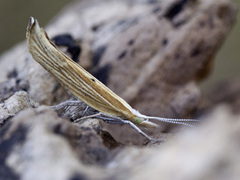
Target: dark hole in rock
<point x="152" y="1"/>
<point x="131" y="42"/>
<point x="63" y="40"/>
<point x="75" y="52"/>
<point x="17" y="137"/>
<point x="156" y="10"/>
<point x="78" y="177"/>
<point x="96" y="27"/>
<point x="68" y="41"/>
<point x="12" y="74"/>
<point x="195" y="52"/>
<point x="222" y="11"/>
<point x="175" y="9"/>
<point x="164" y="42"/>
<point x="98" y="54"/>
<point x="122" y="55"/>
<point x="102" y="73"/>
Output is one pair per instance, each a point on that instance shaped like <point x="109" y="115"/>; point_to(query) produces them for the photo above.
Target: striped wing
<point x="72" y="76"/>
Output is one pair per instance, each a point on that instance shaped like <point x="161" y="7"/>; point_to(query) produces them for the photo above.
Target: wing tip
<point x="33" y="23"/>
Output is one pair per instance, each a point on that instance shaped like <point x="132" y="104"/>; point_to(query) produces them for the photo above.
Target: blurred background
<point x="14" y="16"/>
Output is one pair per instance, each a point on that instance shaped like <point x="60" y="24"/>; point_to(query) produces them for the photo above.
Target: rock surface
<point x="152" y="53"/>
<point x="36" y="144"/>
<point x="210" y="151"/>
<point x="156" y="50"/>
<point x="16" y="103"/>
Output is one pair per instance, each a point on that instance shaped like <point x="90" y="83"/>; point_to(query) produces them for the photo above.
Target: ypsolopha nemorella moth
<point x="83" y="85"/>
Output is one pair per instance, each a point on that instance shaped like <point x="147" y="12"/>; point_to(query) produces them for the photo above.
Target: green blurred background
<point x="14" y="16"/>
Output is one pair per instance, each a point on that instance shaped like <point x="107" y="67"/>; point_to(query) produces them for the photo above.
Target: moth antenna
<point x="169" y="120"/>
<point x="149" y="124"/>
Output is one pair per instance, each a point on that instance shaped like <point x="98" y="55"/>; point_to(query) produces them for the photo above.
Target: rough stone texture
<point x="151" y="53"/>
<point x="210" y="151"/>
<point x="36" y="144"/>
<point x="16" y="103"/>
<point x="155" y="50"/>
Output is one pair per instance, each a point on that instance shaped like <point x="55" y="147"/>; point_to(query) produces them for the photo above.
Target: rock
<point x="19" y="101"/>
<point x="16" y="103"/>
<point x="148" y="52"/>
<point x="153" y="53"/>
<point x="210" y="151"/>
<point x="36" y="144"/>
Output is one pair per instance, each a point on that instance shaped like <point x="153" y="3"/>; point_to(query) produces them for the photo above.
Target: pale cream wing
<point x="72" y="76"/>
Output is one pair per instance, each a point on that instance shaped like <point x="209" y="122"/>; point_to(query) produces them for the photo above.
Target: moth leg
<point x="66" y="104"/>
<point x="139" y="130"/>
<point x="116" y="120"/>
<point x="85" y="110"/>
<point x="87" y="117"/>
<point x="110" y="120"/>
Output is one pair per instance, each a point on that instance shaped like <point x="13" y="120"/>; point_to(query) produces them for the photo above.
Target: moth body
<point x="74" y="78"/>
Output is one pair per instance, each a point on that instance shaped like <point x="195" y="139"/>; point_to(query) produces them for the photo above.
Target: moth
<point x="85" y="86"/>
